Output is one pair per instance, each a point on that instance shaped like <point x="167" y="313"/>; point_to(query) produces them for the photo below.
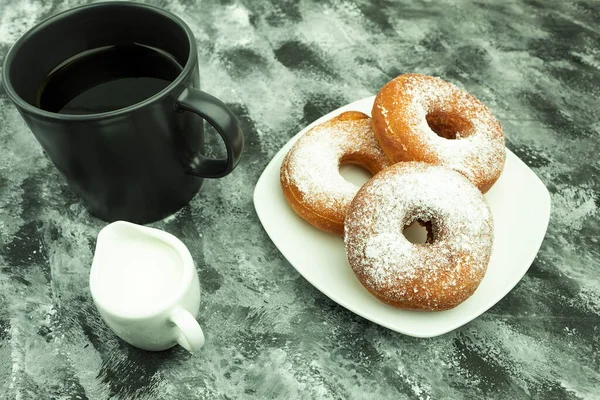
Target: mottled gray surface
<point x="270" y="334"/>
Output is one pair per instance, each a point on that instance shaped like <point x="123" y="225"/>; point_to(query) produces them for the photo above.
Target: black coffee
<point x="107" y="79"/>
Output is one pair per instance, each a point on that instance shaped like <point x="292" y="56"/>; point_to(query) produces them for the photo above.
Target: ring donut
<point x="410" y="109"/>
<point x="437" y="275"/>
<point x="310" y="176"/>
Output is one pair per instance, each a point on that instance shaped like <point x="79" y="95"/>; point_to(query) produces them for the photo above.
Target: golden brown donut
<point x="433" y="276"/>
<point x="410" y="109"/>
<point x="310" y="175"/>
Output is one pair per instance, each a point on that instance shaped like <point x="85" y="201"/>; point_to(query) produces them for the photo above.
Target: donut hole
<point x="418" y="232"/>
<point x="448" y="125"/>
<point x="355" y="173"/>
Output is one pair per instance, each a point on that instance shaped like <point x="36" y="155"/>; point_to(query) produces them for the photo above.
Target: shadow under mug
<point x="140" y="163"/>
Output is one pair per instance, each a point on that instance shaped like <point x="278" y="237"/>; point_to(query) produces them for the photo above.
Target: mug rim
<point x="19" y="102"/>
<point x="187" y="278"/>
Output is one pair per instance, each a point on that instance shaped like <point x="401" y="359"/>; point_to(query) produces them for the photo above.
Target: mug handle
<point x="224" y="121"/>
<point x="190" y="336"/>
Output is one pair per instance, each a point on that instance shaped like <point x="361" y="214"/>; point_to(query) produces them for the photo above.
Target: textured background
<point x="270" y="334"/>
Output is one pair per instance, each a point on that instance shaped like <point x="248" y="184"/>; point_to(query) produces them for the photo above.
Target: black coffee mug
<point x="139" y="163"/>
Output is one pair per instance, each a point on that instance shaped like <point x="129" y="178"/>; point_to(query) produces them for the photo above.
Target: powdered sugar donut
<point x="310" y="176"/>
<point x="410" y="109"/>
<point x="437" y="275"/>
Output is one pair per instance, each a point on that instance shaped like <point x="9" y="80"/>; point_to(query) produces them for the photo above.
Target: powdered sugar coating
<point x="432" y="276"/>
<point x="315" y="158"/>
<point x="311" y="168"/>
<point x="400" y="114"/>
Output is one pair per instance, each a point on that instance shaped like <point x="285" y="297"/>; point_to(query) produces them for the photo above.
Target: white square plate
<point x="518" y="199"/>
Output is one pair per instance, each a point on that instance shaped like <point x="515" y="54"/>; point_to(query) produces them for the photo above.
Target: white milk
<point x="139" y="274"/>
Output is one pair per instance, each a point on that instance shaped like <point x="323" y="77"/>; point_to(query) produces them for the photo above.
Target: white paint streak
<point x="572" y="205"/>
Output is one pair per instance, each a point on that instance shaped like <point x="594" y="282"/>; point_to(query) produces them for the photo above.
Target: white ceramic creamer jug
<point x="145" y="286"/>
